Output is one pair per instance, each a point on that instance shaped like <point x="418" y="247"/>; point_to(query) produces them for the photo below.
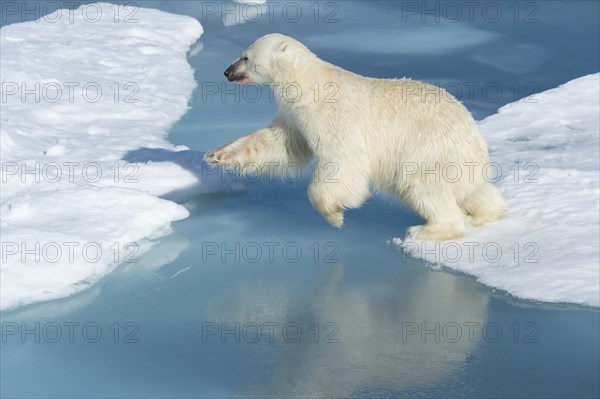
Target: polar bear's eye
<point x="244" y="58"/>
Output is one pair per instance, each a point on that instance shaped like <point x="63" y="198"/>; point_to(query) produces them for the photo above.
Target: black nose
<point x="228" y="72"/>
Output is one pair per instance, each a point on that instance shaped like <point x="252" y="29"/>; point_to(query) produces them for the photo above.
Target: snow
<point x="547" y="249"/>
<point x="87" y="175"/>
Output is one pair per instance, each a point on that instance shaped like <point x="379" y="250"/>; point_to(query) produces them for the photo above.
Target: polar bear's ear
<point x="281" y="47"/>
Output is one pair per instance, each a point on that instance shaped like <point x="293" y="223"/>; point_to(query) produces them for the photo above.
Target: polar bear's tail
<point x="485" y="205"/>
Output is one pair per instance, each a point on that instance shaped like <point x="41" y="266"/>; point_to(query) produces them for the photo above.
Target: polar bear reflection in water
<point x="379" y="349"/>
<point x="401" y="136"/>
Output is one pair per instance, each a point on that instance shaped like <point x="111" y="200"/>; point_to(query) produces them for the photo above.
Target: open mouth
<point x="243" y="79"/>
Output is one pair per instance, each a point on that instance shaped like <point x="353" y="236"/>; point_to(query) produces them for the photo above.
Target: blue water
<point x="255" y="295"/>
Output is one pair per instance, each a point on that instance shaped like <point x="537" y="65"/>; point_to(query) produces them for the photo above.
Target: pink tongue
<point x="245" y="80"/>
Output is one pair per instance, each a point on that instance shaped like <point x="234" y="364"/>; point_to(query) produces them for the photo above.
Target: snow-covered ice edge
<point x="88" y="96"/>
<point x="545" y="156"/>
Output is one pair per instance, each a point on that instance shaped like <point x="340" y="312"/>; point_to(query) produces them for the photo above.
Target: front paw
<point x="222" y="156"/>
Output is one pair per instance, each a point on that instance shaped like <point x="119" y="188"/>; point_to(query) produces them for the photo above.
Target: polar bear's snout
<point x="230" y="72"/>
<point x="235" y="73"/>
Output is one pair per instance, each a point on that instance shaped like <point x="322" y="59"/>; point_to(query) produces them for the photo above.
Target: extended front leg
<point x="272" y="148"/>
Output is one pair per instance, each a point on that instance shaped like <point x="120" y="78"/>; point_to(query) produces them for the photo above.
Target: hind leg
<point x="444" y="218"/>
<point x="485" y="205"/>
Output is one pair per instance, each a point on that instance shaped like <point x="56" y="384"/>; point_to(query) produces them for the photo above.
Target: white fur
<point x="363" y="133"/>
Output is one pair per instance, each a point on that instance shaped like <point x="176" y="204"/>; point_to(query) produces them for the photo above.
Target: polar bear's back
<point x="415" y="123"/>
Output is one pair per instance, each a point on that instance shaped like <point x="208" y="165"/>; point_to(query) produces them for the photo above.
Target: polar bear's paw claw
<point x="220" y="157"/>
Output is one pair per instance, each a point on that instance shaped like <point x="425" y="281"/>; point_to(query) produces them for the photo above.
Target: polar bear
<point x="400" y="136"/>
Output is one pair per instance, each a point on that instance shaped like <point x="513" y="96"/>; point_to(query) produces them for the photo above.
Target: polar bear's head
<point x="261" y="62"/>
